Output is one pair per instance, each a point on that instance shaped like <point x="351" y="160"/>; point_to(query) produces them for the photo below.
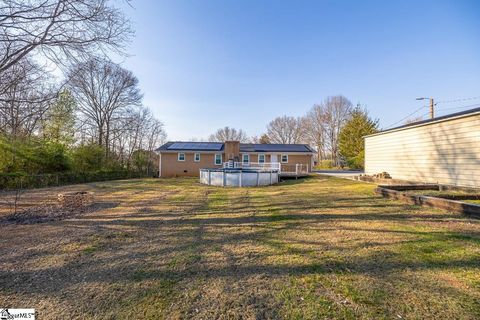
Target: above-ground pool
<point x="238" y="177"/>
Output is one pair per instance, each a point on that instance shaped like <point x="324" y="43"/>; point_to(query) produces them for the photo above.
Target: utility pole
<point x="432" y="106"/>
<point x="432" y="109"/>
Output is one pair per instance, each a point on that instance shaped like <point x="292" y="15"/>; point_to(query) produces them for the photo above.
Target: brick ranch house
<point x="187" y="158"/>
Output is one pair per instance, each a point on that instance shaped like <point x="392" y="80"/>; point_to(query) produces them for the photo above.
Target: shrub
<point x="32" y="156"/>
<point x="88" y="157"/>
<point x="19" y="180"/>
<point x="325" y="164"/>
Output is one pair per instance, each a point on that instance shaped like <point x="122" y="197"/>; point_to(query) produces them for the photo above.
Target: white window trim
<point x="195" y="157"/>
<point x="264" y="158"/>
<point x="215" y="159"/>
<point x="178" y="156"/>
<point x="281" y="158"/>
<point x="248" y="158"/>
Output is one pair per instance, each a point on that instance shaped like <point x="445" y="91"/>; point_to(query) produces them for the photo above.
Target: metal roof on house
<point x="447" y="117"/>
<point x="244" y="147"/>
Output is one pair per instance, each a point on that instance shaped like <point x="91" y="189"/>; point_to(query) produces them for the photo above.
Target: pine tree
<point x="351" y="142"/>
<point x="59" y="125"/>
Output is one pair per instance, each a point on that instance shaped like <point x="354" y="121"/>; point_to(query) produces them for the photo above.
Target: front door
<point x="273" y="158"/>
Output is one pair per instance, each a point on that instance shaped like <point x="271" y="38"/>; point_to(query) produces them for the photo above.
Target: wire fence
<point x="21" y="181"/>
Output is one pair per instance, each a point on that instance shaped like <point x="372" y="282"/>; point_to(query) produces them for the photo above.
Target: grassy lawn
<point x="473" y="201"/>
<point x="308" y="249"/>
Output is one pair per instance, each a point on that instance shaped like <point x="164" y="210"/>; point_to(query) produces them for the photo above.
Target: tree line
<point x="93" y="117"/>
<point x="334" y="128"/>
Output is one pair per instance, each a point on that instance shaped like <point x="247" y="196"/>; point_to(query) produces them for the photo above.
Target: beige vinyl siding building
<point x="444" y="150"/>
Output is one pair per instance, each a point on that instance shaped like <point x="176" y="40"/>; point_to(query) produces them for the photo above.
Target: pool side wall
<point x="238" y="178"/>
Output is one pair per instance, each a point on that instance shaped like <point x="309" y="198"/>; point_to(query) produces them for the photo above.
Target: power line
<point x="459" y="100"/>
<point x="403" y="119"/>
<point x="468" y="106"/>
<point x="438" y="109"/>
<point x="461" y="107"/>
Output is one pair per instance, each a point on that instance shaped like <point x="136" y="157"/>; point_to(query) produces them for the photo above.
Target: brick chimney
<point x="232" y="150"/>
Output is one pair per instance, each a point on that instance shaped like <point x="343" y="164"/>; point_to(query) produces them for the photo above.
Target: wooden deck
<point x="293" y="174"/>
<point x="294" y="171"/>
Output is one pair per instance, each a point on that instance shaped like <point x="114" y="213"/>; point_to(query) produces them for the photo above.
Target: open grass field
<point x="317" y="248"/>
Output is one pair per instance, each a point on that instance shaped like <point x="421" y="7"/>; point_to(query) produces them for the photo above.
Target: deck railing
<point x="297" y="168"/>
<point x="285" y="168"/>
<point x="253" y="165"/>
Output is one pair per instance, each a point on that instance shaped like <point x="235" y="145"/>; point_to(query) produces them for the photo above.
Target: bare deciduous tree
<point x="137" y="131"/>
<point x="60" y="30"/>
<point x="315" y="129"/>
<point x="285" y="130"/>
<point x="25" y="96"/>
<point x="104" y="91"/>
<point x="413" y="120"/>
<point x="227" y="133"/>
<point x="337" y="111"/>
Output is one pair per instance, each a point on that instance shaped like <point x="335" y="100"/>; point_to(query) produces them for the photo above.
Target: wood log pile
<point x="74" y="200"/>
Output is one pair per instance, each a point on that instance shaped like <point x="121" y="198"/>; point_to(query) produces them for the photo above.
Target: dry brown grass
<point x="308" y="249"/>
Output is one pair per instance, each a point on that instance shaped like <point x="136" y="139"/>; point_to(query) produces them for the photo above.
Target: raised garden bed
<point x="461" y="201"/>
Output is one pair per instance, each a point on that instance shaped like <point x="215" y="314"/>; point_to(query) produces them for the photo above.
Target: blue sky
<point x="207" y="64"/>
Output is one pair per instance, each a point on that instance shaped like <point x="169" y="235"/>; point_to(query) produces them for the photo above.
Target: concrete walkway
<point x="348" y="174"/>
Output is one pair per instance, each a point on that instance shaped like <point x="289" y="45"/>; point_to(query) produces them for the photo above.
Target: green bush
<point x="32" y="156"/>
<point x="325" y="164"/>
<point x="35" y="162"/>
<point x="52" y="157"/>
<point x="18" y="180"/>
<point x="88" y="157"/>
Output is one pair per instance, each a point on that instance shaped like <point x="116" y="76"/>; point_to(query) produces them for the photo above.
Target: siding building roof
<point x="466" y="113"/>
<point x="244" y="147"/>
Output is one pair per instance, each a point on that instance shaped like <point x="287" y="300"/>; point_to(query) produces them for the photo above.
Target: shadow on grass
<point x="178" y="237"/>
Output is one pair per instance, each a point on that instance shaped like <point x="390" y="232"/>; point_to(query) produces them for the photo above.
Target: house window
<point x="218" y="159"/>
<point x="181" y="157"/>
<point x="245" y="158"/>
<point x="284" y="158"/>
<point x="261" y="158"/>
<point x="196" y="157"/>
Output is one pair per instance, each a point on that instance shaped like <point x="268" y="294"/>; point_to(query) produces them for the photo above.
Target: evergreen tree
<point x="59" y="124"/>
<point x="351" y="142"/>
<point x="264" y="139"/>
